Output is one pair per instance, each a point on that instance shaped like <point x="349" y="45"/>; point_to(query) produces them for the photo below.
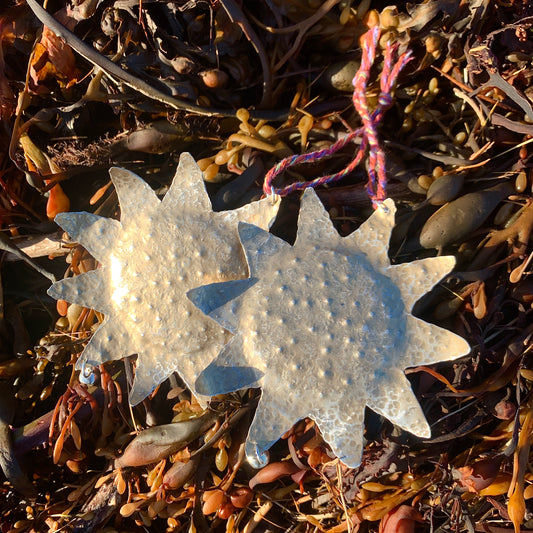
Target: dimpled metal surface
<point x="150" y="259"/>
<point x="326" y="327"/>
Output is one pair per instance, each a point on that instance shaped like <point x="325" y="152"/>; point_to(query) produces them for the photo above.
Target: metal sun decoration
<point x="158" y="251"/>
<point x="327" y="324"/>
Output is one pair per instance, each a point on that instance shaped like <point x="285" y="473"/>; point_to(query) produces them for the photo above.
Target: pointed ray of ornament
<point x="314" y="223"/>
<point x="144" y="383"/>
<point x="149" y="376"/>
<point x="431" y="344"/>
<point x="134" y="194"/>
<point x="373" y="236"/>
<point x="267" y="427"/>
<point x="89" y="290"/>
<point x="226" y="374"/>
<point x="212" y="299"/>
<point x="98" y="234"/>
<point x="105" y="345"/>
<point x="416" y="278"/>
<point x="398" y="403"/>
<point x="346" y="445"/>
<point x="187" y="188"/>
<point x="257" y="243"/>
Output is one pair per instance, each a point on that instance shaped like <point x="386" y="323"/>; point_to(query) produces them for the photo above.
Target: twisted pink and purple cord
<point x="377" y="179"/>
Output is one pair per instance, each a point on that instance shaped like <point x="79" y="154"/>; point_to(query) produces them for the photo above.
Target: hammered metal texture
<point x="150" y="259"/>
<point x="324" y="327"/>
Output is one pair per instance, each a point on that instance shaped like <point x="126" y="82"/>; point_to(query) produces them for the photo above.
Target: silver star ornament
<point x="324" y="327"/>
<point x="158" y="251"/>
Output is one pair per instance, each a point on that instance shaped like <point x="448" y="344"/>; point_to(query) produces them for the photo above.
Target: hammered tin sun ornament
<point x="158" y="251"/>
<point x="326" y="325"/>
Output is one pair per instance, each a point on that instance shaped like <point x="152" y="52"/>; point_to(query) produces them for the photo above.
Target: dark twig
<point x="237" y="16"/>
<point x="302" y="28"/>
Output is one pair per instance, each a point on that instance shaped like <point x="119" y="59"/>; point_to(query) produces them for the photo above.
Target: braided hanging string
<point x="368" y="131"/>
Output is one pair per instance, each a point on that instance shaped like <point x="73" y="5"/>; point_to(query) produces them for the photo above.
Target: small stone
<point x="339" y="76"/>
